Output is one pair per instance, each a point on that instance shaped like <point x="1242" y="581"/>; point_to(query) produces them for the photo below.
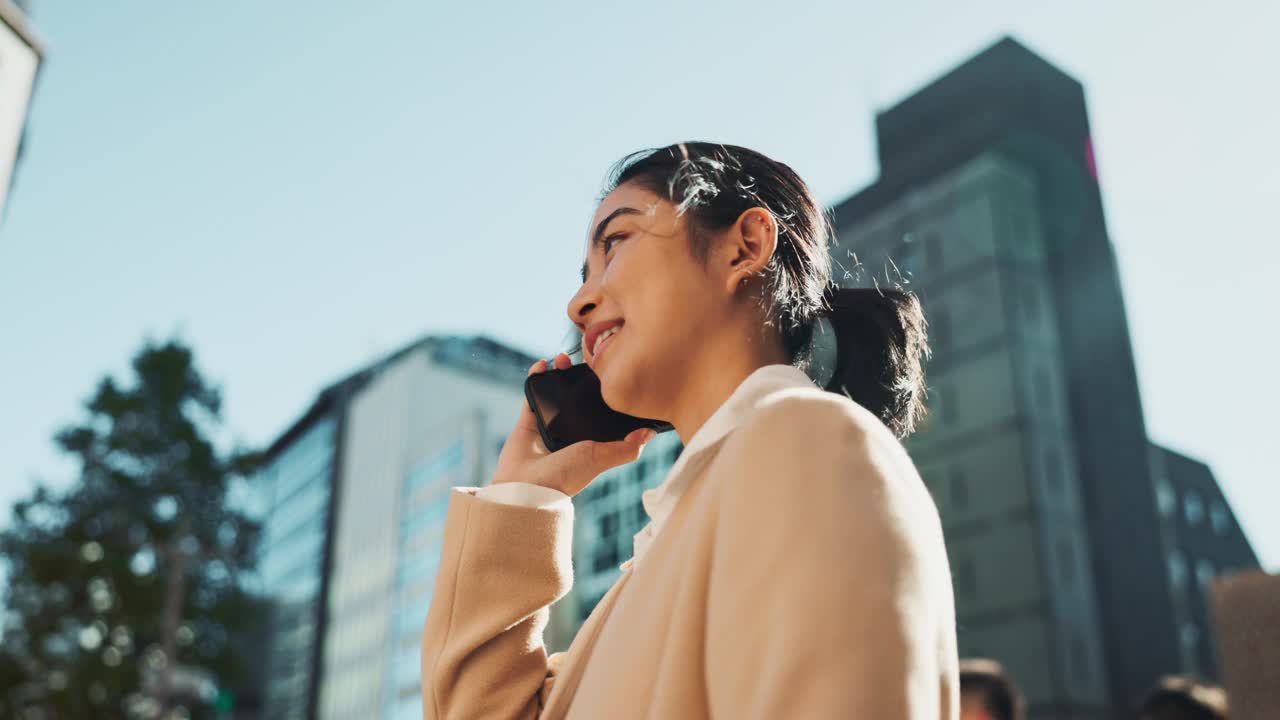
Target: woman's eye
<point x="610" y="240"/>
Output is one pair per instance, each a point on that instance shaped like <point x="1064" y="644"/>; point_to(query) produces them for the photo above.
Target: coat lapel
<point x="660" y="502"/>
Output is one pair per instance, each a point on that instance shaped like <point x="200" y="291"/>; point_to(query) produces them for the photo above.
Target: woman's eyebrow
<point x="598" y="236"/>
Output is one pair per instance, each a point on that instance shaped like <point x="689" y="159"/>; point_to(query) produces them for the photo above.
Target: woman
<point x="794" y="564"/>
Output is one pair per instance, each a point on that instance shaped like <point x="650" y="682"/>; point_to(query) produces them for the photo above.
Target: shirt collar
<point x="659" y="502"/>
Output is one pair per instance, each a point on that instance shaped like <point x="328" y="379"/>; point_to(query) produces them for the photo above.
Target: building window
<point x="1053" y="470"/>
<point x="1177" y="568"/>
<point x="1067" y="562"/>
<point x="959" y="489"/>
<point x="606" y="557"/>
<point x="1166" y="497"/>
<point x="1193" y="507"/>
<point x="939" y="328"/>
<point x="1080" y="659"/>
<point x="965" y="578"/>
<point x="1190" y="636"/>
<point x="588" y="605"/>
<point x="945" y="398"/>
<point x="1015" y="224"/>
<point x="1044" y="394"/>
<point x="1219" y="518"/>
<point x="933" y="250"/>
<point x="930" y="482"/>
<point x="608" y="525"/>
<point x="1204" y="573"/>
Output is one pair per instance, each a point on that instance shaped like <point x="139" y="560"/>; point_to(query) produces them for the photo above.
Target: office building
<point x="607" y="515"/>
<point x="354" y="497"/>
<point x="295" y="488"/>
<point x="21" y="54"/>
<point x="1202" y="542"/>
<point x="1036" y="450"/>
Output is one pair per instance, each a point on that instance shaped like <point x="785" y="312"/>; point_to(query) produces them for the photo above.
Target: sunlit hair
<point x="880" y="333"/>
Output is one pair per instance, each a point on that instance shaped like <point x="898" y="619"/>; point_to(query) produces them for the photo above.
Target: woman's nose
<point x="581" y="305"/>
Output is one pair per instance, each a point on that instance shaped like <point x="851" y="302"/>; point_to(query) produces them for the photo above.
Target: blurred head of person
<point x="1184" y="698"/>
<point x="987" y="692"/>
<point x="705" y="261"/>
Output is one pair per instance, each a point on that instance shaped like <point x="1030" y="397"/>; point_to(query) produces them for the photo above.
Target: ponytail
<point x="880" y="342"/>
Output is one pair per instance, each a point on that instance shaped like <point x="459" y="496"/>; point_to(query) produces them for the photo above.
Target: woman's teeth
<point x="601" y="338"/>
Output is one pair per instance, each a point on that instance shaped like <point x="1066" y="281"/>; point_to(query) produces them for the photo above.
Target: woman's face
<point x="646" y="306"/>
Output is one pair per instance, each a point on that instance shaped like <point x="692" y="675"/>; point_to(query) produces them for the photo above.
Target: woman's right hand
<point x="525" y="458"/>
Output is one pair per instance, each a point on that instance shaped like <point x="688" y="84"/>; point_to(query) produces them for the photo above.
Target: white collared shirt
<point x="660" y="501"/>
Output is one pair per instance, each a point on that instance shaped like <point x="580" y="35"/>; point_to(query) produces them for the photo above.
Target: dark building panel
<point x="1203" y="542"/>
<point x="1012" y="103"/>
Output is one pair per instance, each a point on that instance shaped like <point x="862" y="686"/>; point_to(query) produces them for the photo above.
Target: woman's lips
<point x="606" y="343"/>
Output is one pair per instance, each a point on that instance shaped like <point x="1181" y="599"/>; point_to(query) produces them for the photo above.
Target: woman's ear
<point x="750" y="244"/>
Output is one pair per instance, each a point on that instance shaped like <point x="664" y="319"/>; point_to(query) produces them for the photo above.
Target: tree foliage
<point x="88" y="567"/>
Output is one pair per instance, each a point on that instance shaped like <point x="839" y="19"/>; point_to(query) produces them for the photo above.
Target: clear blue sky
<point x="296" y="187"/>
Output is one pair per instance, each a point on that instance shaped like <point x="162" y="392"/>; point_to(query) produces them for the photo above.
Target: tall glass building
<point x="425" y="503"/>
<point x="353" y="500"/>
<point x="1069" y="563"/>
<point x="295" y="487"/>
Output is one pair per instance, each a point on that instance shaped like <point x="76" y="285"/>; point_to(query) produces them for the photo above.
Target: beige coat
<point x="801" y="574"/>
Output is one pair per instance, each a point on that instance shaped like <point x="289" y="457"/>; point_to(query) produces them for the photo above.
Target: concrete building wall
<point x="365" y="545"/>
<point x="410" y="413"/>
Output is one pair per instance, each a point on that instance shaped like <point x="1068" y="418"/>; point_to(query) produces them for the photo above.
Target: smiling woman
<point x="706" y="273"/>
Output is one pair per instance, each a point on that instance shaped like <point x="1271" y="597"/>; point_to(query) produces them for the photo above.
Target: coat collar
<point x="659" y="502"/>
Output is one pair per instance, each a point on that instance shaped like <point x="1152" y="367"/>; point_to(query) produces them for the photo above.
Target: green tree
<point x="142" y="554"/>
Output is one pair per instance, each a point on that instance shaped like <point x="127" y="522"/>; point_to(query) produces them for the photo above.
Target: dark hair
<point x="879" y="333"/>
<point x="1183" y="698"/>
<point x="988" y="677"/>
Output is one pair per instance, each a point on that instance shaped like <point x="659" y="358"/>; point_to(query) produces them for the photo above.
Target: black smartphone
<point x="569" y="408"/>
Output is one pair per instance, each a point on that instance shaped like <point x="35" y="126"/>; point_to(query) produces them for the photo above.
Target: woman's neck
<point x="719" y="371"/>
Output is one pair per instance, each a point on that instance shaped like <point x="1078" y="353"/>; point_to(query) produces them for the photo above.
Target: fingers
<point x="595" y="457"/>
<point x="560" y="362"/>
<point x="640" y="437"/>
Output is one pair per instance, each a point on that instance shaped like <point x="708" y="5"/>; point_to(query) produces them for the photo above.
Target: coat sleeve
<point x="501" y="568"/>
<point x="830" y="595"/>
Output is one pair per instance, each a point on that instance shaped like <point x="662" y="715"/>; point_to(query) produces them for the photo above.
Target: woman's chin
<point x="609" y="391"/>
<point x="615" y="388"/>
<point x="624" y="390"/>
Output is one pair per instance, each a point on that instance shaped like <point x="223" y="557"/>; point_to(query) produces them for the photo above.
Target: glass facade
<point x="295" y="490"/>
<point x="425" y="503"/>
<point x="1193" y="506"/>
<point x="608" y="515"/>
